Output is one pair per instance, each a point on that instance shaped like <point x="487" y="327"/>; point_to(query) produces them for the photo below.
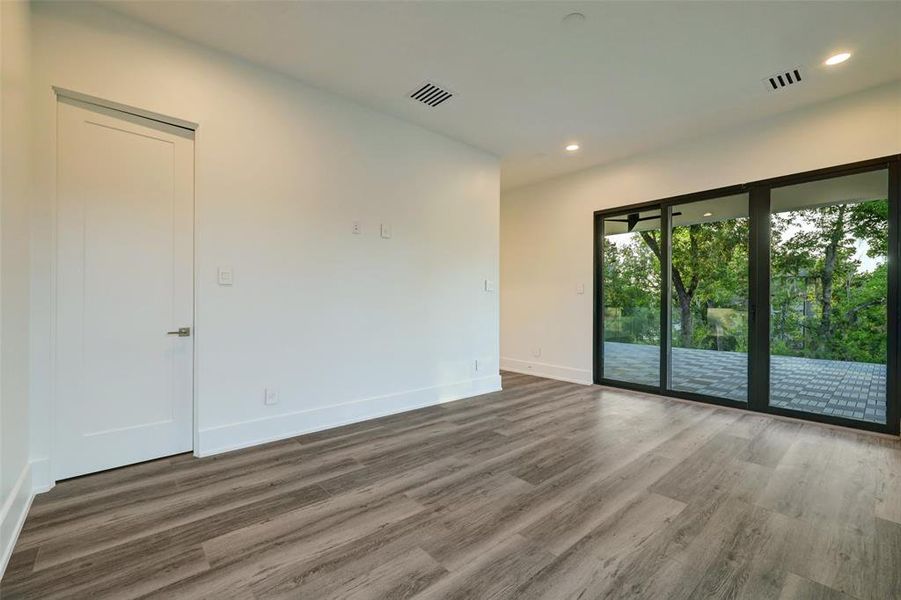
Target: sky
<point x="867" y="263"/>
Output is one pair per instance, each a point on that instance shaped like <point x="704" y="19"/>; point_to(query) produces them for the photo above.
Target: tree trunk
<point x="688" y="325"/>
<point x="835" y="238"/>
<point x="685" y="294"/>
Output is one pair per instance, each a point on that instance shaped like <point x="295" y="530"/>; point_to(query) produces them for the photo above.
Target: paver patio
<point x="829" y="387"/>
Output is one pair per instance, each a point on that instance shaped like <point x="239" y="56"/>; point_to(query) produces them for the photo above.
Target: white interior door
<point x="124" y="386"/>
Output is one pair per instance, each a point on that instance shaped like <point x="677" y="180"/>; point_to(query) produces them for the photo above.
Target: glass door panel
<point x="709" y="292"/>
<point x="828" y="296"/>
<point x="631" y="298"/>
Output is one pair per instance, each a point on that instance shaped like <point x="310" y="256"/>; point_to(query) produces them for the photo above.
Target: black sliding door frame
<point x="759" y="299"/>
<point x="599" y="297"/>
<point x="666" y="256"/>
<point x="759" y="193"/>
<point x="666" y="297"/>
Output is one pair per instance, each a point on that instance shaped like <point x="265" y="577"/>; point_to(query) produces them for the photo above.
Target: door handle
<point x="180" y="332"/>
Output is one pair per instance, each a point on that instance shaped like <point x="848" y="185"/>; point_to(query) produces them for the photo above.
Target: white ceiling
<point x="633" y="76"/>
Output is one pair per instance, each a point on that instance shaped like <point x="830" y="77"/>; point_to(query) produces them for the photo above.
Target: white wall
<point x="345" y="326"/>
<point x="546" y="228"/>
<point x="15" y="474"/>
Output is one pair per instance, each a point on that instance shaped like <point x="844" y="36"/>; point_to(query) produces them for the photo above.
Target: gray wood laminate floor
<point x="544" y="490"/>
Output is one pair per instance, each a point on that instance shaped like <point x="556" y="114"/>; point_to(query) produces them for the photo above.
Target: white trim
<point x="12" y="515"/>
<point x="53" y="288"/>
<point x="539" y="369"/>
<point x="125" y="108"/>
<point x="41" y="476"/>
<point x="224" y="438"/>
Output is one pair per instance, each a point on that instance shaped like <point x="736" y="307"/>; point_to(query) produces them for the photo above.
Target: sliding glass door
<point x="829" y="296"/>
<point x="779" y="296"/>
<point x="709" y="298"/>
<point x="631" y="335"/>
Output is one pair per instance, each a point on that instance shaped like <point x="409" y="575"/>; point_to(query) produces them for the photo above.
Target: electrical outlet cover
<point x="225" y="276"/>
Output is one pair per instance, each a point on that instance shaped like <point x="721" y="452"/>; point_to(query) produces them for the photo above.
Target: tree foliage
<point x="825" y="301"/>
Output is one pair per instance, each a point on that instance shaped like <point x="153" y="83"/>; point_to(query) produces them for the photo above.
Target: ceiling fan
<point x="633" y="219"/>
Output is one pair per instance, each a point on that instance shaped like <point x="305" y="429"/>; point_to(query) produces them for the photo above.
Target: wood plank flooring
<point x="543" y="490"/>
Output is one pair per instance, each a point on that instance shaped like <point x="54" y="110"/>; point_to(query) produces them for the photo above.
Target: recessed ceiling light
<point x="708" y="214"/>
<point x="572" y="147"/>
<point x="839" y="58"/>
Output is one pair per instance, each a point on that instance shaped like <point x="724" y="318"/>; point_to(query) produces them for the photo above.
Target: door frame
<point x="759" y="288"/>
<point x="49" y="472"/>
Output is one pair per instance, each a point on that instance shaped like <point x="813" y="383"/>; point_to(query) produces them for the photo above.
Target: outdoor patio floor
<point x="829" y="387"/>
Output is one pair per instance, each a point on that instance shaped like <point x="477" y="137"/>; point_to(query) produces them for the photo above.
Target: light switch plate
<point x="489" y="285"/>
<point x="270" y="396"/>
<point x="386" y="231"/>
<point x="580" y="288"/>
<point x="225" y="276"/>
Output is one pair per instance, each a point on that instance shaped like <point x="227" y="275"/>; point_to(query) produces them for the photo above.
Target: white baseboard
<point x="41" y="477"/>
<point x="215" y="440"/>
<point x="12" y="515"/>
<point x="540" y="369"/>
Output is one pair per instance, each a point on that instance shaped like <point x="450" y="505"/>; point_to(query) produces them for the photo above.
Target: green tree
<point x="631" y="293"/>
<point x="826" y="302"/>
<point x="707" y="263"/>
<point x="825" y="305"/>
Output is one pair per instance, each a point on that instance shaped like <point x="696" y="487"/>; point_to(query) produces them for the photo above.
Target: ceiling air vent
<point x="431" y="94"/>
<point x="780" y="81"/>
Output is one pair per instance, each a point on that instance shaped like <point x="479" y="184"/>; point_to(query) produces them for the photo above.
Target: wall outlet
<point x="357" y="229"/>
<point x="536" y="352"/>
<point x="580" y="288"/>
<point x="225" y="276"/>
<point x="386" y="231"/>
<point x="270" y="396"/>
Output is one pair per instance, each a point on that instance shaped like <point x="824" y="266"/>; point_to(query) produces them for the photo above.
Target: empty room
<point x="421" y="299"/>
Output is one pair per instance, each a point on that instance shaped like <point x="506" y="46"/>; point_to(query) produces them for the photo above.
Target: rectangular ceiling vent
<point x="431" y="94"/>
<point x="780" y="81"/>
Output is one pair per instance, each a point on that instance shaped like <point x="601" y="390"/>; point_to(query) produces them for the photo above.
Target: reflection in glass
<point x="828" y="291"/>
<point x="631" y="275"/>
<point x="709" y="279"/>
